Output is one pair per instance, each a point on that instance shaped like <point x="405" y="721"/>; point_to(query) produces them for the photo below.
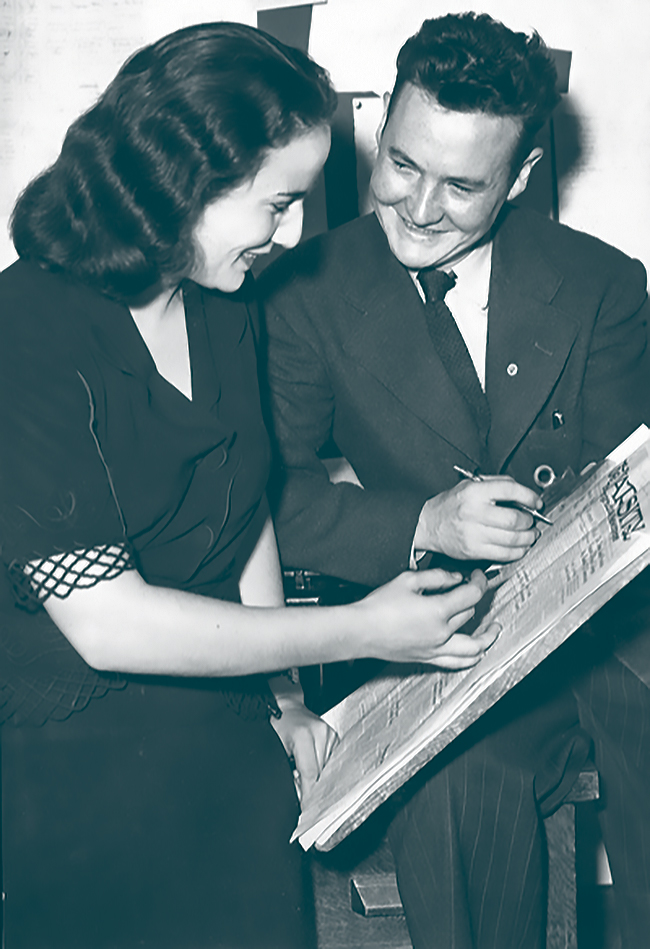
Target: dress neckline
<point x="177" y="299"/>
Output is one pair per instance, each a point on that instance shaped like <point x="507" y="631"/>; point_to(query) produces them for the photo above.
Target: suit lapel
<point x="388" y="336"/>
<point x="529" y="337"/>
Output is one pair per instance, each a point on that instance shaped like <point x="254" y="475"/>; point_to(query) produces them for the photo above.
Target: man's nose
<point x="289" y="229"/>
<point x="425" y="205"/>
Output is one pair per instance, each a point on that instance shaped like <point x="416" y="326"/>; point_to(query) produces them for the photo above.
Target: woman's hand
<point x="306" y="738"/>
<point x="127" y="625"/>
<point x="427" y="624"/>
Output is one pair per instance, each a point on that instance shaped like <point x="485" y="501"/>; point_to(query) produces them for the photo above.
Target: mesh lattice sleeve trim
<point x="60" y="574"/>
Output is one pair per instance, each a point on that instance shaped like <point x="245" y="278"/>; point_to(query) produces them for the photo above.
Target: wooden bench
<point x="359" y="907"/>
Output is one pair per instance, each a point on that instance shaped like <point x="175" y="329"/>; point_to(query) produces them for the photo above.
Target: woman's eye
<point x="280" y="208"/>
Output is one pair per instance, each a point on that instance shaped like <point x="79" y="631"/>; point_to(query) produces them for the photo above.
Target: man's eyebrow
<point x="472" y="182"/>
<point x="396" y="152"/>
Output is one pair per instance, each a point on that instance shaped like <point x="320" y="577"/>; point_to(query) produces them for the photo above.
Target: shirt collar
<point x="473" y="275"/>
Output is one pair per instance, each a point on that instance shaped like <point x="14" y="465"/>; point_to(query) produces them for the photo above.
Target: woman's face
<point x="263" y="211"/>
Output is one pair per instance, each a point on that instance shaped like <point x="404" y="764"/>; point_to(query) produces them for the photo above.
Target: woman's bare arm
<point x="125" y="624"/>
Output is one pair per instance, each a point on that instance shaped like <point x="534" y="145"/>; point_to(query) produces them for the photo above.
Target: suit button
<point x="543" y="476"/>
<point x="512" y="369"/>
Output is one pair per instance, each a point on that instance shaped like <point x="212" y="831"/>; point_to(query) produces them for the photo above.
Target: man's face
<point x="441" y="178"/>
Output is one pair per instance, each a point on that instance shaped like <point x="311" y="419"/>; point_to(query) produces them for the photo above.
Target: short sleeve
<point x="55" y="487"/>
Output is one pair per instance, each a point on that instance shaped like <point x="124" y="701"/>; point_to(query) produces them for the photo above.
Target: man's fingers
<point x="506" y="489"/>
<point x="502" y="518"/>
<point x="497" y="554"/>
<point x="490" y="541"/>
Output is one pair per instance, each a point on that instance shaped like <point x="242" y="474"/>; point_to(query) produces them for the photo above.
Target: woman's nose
<point x="289" y="229"/>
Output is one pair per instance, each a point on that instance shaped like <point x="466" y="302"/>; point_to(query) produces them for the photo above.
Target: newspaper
<point x="395" y="724"/>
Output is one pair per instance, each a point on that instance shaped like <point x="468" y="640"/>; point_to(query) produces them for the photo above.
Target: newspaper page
<point x="395" y="724"/>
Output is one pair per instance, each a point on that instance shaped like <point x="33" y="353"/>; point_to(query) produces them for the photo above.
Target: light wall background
<point x="57" y="55"/>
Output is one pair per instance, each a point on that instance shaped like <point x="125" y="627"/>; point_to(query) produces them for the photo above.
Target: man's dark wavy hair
<point x="185" y="120"/>
<point x="472" y="63"/>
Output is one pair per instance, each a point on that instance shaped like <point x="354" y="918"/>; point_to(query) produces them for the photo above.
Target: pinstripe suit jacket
<point x="350" y="360"/>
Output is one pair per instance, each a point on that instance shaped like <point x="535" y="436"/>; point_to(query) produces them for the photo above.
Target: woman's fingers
<point x="461" y="651"/>
<point x="430" y="581"/>
<point x="307" y="739"/>
<point x="415" y="618"/>
<point x="457" y="600"/>
<point x="459" y="619"/>
<point x="332" y="742"/>
<point x="485" y="637"/>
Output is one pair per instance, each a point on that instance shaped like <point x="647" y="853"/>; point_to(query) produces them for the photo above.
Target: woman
<point x="142" y="594"/>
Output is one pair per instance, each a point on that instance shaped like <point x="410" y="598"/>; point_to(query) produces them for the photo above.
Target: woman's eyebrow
<point x="291" y="194"/>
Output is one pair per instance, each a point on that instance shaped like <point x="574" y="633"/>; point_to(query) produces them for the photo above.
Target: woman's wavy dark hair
<point x="472" y="63"/>
<point x="185" y="120"/>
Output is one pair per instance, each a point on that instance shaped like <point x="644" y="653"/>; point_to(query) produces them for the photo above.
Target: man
<point x="449" y="330"/>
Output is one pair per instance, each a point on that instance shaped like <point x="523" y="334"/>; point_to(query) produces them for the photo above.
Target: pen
<point x="522" y="507"/>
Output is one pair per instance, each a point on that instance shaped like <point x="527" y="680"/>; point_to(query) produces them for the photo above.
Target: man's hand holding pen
<point x="484" y="517"/>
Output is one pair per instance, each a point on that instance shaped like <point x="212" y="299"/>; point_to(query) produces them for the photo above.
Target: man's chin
<point x="413" y="254"/>
<point x="417" y="258"/>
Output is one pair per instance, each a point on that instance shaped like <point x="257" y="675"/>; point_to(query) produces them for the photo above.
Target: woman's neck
<point x="161" y="323"/>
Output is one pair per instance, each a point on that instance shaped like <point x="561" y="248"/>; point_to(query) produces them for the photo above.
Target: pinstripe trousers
<point x="614" y="707"/>
<point x="468" y="835"/>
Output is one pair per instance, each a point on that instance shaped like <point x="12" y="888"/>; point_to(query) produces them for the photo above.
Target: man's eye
<point x="400" y="165"/>
<point x="463" y="189"/>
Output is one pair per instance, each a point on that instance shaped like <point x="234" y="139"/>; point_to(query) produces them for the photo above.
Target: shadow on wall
<point x="562" y="141"/>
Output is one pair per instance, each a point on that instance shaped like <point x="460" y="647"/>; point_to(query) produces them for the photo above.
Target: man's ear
<point x="384" y="116"/>
<point x="520" y="182"/>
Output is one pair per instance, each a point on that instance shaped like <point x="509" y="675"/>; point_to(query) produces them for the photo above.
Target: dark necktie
<point x="450" y="345"/>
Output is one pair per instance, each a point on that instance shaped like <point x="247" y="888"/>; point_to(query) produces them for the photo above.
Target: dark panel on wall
<point x="341" y="168"/>
<point x="290" y="25"/>
<point x="562" y="59"/>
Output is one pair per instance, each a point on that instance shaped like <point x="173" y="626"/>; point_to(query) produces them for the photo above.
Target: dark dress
<point x="137" y="811"/>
